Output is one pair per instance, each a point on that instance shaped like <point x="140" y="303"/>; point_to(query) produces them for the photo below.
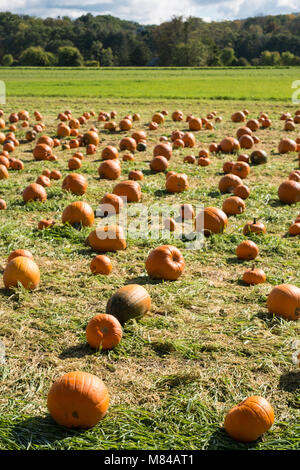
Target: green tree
<point x="192" y="54"/>
<point x="106" y="57"/>
<point x="227" y="56"/>
<point x="36" y="56"/>
<point x="7" y="60"/>
<point x="69" y="57"/>
<point x="270" y="58"/>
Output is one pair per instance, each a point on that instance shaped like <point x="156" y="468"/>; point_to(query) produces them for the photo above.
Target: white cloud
<point x="153" y="12"/>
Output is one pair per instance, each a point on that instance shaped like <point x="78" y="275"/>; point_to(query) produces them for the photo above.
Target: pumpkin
<point x="169" y="224"/>
<point x="109" y="153"/>
<point x="229" y="145"/>
<point x="287" y="145"/>
<point x="212" y="220"/>
<point x="43" y="224"/>
<point x="177" y="144"/>
<point x="34" y="192"/>
<point x="246" y="142"/>
<point x="189" y="140"/>
<point x="227" y="167"/>
<point x="2" y="205"/>
<point x="45" y="139"/>
<point x="101" y="264"/>
<point x="248" y="420"/>
<point x="158" y="118"/>
<point x="195" y="124"/>
<point x="163" y="150"/>
<point x="189" y="159"/>
<point x="78" y="400"/>
<point x="289" y="126"/>
<point x="247" y="250"/>
<point x="108" y="238"/>
<point x="4" y="161"/>
<point x="243" y="158"/>
<point x="78" y="212"/>
<point x="128" y="189"/>
<point x="204" y="161"/>
<point x="289" y="192"/>
<point x="128" y="143"/>
<point x="153" y="126"/>
<point x="165" y="262"/>
<point x="63" y="130"/>
<point x="186" y="212"/>
<point x="103" y="331"/>
<point x="233" y="205"/>
<point x="20" y="252"/>
<point x="17" y="165"/>
<point x="42" y="151"/>
<point x="111" y="204"/>
<point x="128" y="157"/>
<point x="125" y="124"/>
<point x="177" y="135"/>
<point x="258" y="157"/>
<point x="91" y="137"/>
<point x="141" y="146"/>
<point x="129" y="302"/>
<point x="241" y="191"/>
<point x="203" y="153"/>
<point x="23" y="270"/>
<point x="254" y="227"/>
<point x="244" y="130"/>
<point x="75" y="183"/>
<point x="91" y="149"/>
<point x="177" y="115"/>
<point x="3" y="172"/>
<point x="139" y="136"/>
<point x="241" y="169"/>
<point x="43" y="181"/>
<point x="296" y="358"/>
<point x="55" y="175"/>
<point x="295" y="176"/>
<point x="253" y="124"/>
<point x="135" y="175"/>
<point x="109" y="169"/>
<point x="177" y="183"/>
<point x="265" y="123"/>
<point x="254" y="276"/>
<point x="239" y="116"/>
<point x="159" y="164"/>
<point x="284" y="300"/>
<point x="228" y="183"/>
<point x="294" y="229"/>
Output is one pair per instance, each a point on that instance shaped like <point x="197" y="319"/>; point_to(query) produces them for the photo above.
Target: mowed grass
<point x="208" y="341"/>
<point x="153" y="83"/>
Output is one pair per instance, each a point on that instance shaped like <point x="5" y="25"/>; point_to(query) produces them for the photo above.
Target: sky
<point x="154" y="11"/>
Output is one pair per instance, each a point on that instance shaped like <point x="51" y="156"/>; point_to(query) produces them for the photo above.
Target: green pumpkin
<point x="131" y="301"/>
<point x="141" y="147"/>
<point x="258" y="157"/>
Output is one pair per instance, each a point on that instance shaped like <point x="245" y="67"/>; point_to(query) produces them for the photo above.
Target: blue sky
<point x="154" y="11"/>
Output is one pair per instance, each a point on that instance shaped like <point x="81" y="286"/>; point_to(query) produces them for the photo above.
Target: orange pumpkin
<point x="254" y="276"/>
<point x="248" y="420"/>
<point x="177" y="183"/>
<point x="164" y="150"/>
<point x="20" y="252"/>
<point x="289" y="192"/>
<point x="159" y="164"/>
<point x="228" y="183"/>
<point x="101" y="264"/>
<point x="110" y="153"/>
<point x="34" y="192"/>
<point x="233" y="205"/>
<point x="111" y="204"/>
<point x="247" y="250"/>
<point x="135" y="175"/>
<point x="108" y="238"/>
<point x="212" y="220"/>
<point x="78" y="213"/>
<point x="3" y="172"/>
<point x="242" y="191"/>
<point x="2" y="205"/>
<point x="128" y="143"/>
<point x="128" y="189"/>
<point x="43" y="224"/>
<point x="104" y="331"/>
<point x="254" y="227"/>
<point x="284" y="301"/>
<point x="75" y="183"/>
<point x="23" y="270"/>
<point x="78" y="400"/>
<point x="109" y="169"/>
<point x="165" y="262"/>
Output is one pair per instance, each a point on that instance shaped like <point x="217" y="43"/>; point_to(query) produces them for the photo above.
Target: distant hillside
<point x="108" y="41"/>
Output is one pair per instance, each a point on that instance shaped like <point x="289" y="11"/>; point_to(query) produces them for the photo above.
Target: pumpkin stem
<point x="254" y="220"/>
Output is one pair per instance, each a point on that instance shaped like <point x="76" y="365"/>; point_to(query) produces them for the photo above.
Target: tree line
<point x="104" y="40"/>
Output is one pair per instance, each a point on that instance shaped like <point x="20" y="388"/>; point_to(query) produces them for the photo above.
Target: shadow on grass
<point x="276" y="203"/>
<point x="78" y="351"/>
<point x="234" y="260"/>
<point x="41" y="431"/>
<point x="214" y="194"/>
<point x="290" y="382"/>
<point x="219" y="440"/>
<point x="143" y="280"/>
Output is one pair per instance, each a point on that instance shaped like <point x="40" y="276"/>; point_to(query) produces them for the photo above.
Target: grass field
<point x="208" y="341"/>
<point x="231" y="84"/>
